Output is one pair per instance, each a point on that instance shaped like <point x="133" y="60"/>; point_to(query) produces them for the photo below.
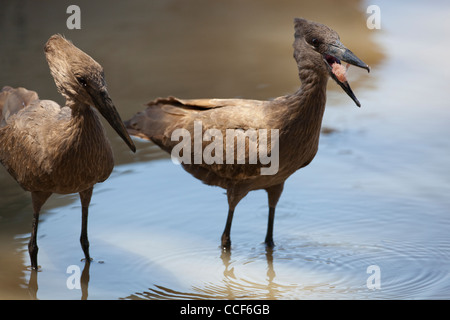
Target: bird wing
<point x="3" y="96"/>
<point x="167" y="113"/>
<point x="13" y="100"/>
<point x="22" y="136"/>
<point x="164" y="115"/>
<point x="206" y="103"/>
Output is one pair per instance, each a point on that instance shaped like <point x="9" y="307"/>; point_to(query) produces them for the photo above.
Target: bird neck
<point x="303" y="116"/>
<point x="307" y="105"/>
<point x="85" y="123"/>
<point x="86" y="147"/>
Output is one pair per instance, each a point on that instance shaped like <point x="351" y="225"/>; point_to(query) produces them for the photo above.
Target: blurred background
<point x="376" y="193"/>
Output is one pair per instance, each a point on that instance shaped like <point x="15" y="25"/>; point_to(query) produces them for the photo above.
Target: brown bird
<point x="48" y="149"/>
<point x="298" y="118"/>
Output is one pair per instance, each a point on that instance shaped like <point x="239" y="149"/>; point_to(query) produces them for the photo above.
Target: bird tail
<point x="158" y="120"/>
<point x="145" y="124"/>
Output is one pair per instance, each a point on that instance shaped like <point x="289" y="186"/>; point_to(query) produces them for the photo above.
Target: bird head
<point x="80" y="79"/>
<point x="320" y="46"/>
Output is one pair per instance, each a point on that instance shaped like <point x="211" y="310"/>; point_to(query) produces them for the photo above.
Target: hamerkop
<point x="298" y="118"/>
<point x="48" y="149"/>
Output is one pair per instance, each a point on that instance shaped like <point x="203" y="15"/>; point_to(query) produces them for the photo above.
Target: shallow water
<point x="376" y="193"/>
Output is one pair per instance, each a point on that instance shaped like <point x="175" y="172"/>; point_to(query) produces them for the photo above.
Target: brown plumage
<point x="48" y="149"/>
<point x="298" y="117"/>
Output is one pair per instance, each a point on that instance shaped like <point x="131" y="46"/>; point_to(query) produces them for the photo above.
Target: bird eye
<point x="82" y="81"/>
<point x="314" y="42"/>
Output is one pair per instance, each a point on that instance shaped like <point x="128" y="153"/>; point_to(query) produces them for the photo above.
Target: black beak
<point x="336" y="53"/>
<point x="105" y="106"/>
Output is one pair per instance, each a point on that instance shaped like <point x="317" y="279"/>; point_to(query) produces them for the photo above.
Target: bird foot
<point x="226" y="243"/>
<point x="88" y="259"/>
<point x="269" y="243"/>
<point x="34" y="268"/>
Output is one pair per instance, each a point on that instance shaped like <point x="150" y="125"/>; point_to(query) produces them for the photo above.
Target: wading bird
<point x="298" y="117"/>
<point x="48" y="149"/>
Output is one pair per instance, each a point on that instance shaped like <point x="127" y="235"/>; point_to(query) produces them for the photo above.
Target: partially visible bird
<point x="51" y="149"/>
<point x="298" y="117"/>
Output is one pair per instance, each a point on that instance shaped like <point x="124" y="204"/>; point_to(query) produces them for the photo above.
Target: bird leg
<point x="269" y="235"/>
<point x="32" y="244"/>
<point x="226" y="241"/>
<point x="38" y="198"/>
<point x="85" y="197"/>
<point x="234" y="195"/>
<point x="274" y="194"/>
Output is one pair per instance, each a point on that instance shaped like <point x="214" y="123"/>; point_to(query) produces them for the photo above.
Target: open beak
<point x="336" y="53"/>
<point x="107" y="109"/>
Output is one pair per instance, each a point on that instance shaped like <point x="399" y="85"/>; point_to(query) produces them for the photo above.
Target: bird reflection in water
<point x="229" y="288"/>
<point x="84" y="282"/>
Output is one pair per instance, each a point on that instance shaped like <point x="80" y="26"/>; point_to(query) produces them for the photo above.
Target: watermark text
<point x="74" y="20"/>
<point x="374" y="19"/>
<point x="374" y="280"/>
